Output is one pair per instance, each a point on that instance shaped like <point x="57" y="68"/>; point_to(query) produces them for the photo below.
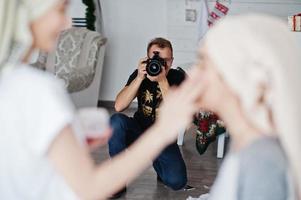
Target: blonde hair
<point x="15" y="19"/>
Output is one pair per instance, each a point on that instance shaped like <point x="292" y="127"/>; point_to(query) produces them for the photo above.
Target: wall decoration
<point x="90" y="17"/>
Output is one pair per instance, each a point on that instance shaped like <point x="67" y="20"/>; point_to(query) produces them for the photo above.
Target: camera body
<point x="154" y="65"/>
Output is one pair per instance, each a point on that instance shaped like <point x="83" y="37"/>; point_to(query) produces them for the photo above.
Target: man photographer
<point x="149" y="83"/>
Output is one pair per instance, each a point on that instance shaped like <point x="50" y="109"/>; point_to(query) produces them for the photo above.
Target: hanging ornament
<point x="220" y="10"/>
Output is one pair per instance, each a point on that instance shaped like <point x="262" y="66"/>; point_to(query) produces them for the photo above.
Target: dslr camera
<point x="154" y="65"/>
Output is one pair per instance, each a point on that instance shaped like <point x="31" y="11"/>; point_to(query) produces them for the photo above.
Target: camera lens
<point x="155" y="64"/>
<point x="153" y="68"/>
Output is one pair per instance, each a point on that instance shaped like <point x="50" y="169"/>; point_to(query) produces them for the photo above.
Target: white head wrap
<point x="252" y="50"/>
<point x="15" y="33"/>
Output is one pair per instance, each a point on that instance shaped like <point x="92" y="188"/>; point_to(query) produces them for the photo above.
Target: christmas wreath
<point x="208" y="128"/>
<point x="90" y="17"/>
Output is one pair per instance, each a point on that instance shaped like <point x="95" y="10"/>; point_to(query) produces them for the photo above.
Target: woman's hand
<point x="179" y="106"/>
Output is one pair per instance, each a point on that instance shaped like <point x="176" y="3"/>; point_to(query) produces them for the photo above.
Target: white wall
<point x="76" y="8"/>
<point x="184" y="35"/>
<point x="130" y="24"/>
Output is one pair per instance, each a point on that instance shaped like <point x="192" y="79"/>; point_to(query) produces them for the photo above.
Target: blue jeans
<point x="169" y="165"/>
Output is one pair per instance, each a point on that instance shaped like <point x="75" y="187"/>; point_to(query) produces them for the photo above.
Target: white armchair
<point x="78" y="60"/>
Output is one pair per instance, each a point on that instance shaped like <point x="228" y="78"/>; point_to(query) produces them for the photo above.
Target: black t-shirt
<point x="149" y="96"/>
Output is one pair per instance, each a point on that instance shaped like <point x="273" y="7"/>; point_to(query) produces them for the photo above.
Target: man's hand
<point x="142" y="68"/>
<point x="129" y="92"/>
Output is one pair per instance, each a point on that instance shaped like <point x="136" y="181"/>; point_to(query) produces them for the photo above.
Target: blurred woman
<point x="40" y="156"/>
<point x="251" y="73"/>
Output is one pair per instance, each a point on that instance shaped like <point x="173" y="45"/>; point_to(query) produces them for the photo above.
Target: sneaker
<point x="118" y="194"/>
<point x="188" y="188"/>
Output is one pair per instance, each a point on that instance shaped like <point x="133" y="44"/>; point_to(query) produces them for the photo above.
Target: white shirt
<point x="225" y="186"/>
<point x="34" y="108"/>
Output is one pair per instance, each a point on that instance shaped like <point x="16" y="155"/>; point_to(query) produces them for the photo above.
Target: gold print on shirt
<point x="157" y="113"/>
<point x="159" y="99"/>
<point x="147" y="110"/>
<point x="147" y="97"/>
<point x="159" y="94"/>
